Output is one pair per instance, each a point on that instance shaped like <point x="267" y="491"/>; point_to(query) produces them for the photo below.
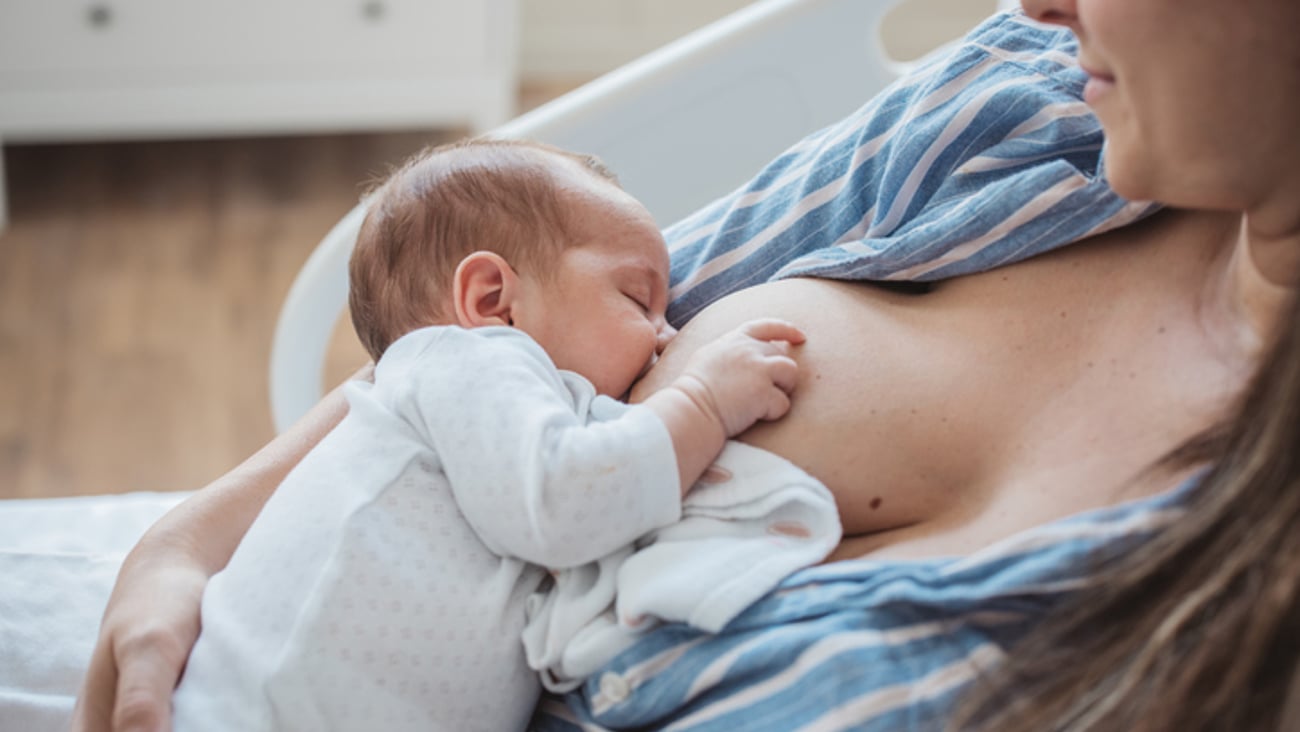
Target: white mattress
<point x="58" y="560"/>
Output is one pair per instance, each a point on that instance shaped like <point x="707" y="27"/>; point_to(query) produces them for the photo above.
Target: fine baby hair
<point x="443" y="204"/>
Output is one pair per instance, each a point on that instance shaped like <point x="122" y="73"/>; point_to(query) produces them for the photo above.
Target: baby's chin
<point x="629" y="394"/>
<point x="612" y="391"/>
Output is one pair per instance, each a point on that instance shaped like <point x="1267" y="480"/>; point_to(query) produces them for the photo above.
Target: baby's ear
<point x="484" y="289"/>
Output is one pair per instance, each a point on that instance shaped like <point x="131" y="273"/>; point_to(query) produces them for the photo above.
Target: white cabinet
<point x="115" y="69"/>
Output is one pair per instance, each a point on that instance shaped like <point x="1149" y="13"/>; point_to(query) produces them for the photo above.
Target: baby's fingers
<point x="778" y="403"/>
<point x="772" y="329"/>
<point x="783" y="371"/>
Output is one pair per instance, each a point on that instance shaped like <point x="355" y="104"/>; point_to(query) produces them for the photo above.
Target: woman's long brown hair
<point x="1200" y="628"/>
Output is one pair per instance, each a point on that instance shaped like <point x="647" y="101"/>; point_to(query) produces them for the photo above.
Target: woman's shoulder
<point x="982" y="155"/>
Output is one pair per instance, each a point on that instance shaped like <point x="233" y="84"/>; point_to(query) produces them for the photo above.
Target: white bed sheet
<point x="58" y="561"/>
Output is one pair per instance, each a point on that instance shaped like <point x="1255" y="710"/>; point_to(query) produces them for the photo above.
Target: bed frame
<point x="680" y="126"/>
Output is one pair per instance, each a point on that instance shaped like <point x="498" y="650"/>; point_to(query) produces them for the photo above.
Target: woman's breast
<point x="996" y="402"/>
<point x="891" y="412"/>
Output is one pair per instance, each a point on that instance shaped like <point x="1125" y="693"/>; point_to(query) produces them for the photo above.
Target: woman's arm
<point x="152" y="618"/>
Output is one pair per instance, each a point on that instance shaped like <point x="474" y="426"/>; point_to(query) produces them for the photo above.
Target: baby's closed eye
<point x="641" y="300"/>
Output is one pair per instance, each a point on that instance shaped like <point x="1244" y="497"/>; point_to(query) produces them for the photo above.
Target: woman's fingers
<point x="128" y="686"/>
<point x="146" y="676"/>
<point x="94" y="709"/>
<point x="150" y="624"/>
<point x="150" y="658"/>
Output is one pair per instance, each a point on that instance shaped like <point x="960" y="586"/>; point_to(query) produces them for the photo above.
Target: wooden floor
<point x="139" y="286"/>
<point x="140" y="282"/>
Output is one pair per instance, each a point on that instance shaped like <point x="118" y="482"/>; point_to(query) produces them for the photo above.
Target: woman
<point x="1199" y="630"/>
<point x="970" y="417"/>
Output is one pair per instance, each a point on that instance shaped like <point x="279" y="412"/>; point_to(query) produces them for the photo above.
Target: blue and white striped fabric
<point x="859" y="645"/>
<point x="982" y="157"/>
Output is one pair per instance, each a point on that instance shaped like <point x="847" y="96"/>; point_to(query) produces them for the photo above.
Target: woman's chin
<point x="1121" y="177"/>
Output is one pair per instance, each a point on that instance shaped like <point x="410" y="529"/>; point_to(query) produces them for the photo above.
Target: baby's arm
<point x="536" y="481"/>
<point x="727" y="386"/>
<point x="532" y="475"/>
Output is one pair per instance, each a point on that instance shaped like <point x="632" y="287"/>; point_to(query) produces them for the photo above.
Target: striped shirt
<point x="983" y="156"/>
<point x="863" y="645"/>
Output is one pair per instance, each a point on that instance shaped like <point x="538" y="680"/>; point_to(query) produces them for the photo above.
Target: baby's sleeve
<point x="530" y="476"/>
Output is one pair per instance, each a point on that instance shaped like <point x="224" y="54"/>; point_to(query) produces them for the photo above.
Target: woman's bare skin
<point x="996" y="402"/>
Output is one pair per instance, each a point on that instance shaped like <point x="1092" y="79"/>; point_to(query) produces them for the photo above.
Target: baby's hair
<point x="442" y="205"/>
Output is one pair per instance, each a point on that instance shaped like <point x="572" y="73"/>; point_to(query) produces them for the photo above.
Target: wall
<point x="577" y="39"/>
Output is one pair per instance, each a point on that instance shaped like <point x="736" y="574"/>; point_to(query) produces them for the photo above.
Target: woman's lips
<point x="1099" y="85"/>
<point x="1101" y="75"/>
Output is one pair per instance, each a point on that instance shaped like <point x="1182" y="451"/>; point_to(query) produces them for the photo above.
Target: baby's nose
<point x="666" y="334"/>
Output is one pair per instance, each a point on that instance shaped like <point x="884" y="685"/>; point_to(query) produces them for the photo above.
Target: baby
<point x="509" y="293"/>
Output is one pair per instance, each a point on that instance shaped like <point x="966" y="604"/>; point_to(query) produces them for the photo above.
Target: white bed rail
<point x="680" y="126"/>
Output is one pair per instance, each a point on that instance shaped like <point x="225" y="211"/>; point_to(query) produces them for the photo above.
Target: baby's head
<point x="492" y="232"/>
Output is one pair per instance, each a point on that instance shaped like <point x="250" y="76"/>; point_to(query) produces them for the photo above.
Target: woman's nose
<point x="666" y="334"/>
<point x="1058" y="12"/>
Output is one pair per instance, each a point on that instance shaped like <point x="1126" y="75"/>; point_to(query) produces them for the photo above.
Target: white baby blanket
<point x="749" y="522"/>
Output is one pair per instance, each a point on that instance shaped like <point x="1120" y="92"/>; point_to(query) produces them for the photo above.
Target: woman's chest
<point x="947" y="420"/>
<point x="997" y="401"/>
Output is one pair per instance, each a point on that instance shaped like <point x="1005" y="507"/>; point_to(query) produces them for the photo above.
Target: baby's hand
<point x="746" y="375"/>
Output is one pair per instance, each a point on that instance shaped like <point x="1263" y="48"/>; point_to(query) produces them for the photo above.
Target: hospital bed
<point x="680" y="126"/>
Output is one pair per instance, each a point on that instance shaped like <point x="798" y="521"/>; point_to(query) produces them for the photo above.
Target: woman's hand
<point x="151" y="623"/>
<point x="152" y="619"/>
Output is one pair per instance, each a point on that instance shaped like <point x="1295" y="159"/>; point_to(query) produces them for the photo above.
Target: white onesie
<point x="384" y="584"/>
